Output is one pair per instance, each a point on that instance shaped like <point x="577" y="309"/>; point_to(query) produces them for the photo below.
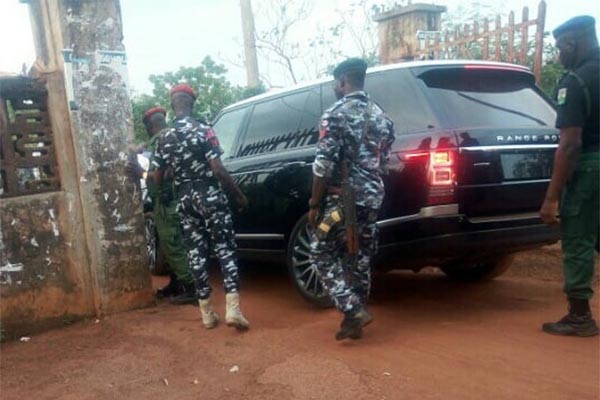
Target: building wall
<point x="42" y="264"/>
<point x="80" y="250"/>
<point x="397" y="30"/>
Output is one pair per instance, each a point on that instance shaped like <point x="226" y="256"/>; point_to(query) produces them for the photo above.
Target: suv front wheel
<point x="303" y="273"/>
<point x="156" y="259"/>
<point x="478" y="270"/>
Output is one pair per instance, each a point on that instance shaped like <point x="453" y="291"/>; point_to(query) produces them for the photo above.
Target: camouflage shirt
<point x="341" y="135"/>
<point x="188" y="147"/>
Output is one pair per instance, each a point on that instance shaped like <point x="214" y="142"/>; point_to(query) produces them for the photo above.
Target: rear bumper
<point x="434" y="240"/>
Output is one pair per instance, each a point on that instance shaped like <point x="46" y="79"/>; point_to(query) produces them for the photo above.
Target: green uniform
<point x="577" y="106"/>
<point x="167" y="224"/>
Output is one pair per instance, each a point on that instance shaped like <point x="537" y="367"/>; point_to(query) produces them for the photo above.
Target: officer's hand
<point x="549" y="211"/>
<point x="134" y="170"/>
<point x="313" y="214"/>
<point x="242" y="202"/>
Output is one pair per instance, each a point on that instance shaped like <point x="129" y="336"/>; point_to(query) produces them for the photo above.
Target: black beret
<point x="351" y="64"/>
<point x="580" y="23"/>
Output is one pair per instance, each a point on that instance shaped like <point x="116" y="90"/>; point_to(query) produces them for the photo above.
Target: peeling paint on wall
<point x="9" y="267"/>
<point x="53" y="222"/>
<point x="6" y="272"/>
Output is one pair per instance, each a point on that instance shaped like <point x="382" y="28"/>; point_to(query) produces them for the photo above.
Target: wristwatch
<point x="312" y="204"/>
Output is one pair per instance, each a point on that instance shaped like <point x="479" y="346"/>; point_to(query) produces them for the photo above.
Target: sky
<point x="159" y="38"/>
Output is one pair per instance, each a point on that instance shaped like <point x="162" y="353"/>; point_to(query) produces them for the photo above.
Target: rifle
<point x="348" y="212"/>
<point x="349" y="207"/>
<point x="349" y="199"/>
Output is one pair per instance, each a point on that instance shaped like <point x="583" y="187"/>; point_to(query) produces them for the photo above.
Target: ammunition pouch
<point x="329" y="220"/>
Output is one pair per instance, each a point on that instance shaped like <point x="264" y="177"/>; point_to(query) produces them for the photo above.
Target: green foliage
<point x="140" y="104"/>
<point x="208" y="80"/>
<point x="552" y="70"/>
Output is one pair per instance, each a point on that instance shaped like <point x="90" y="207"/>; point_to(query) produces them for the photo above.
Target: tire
<point x="303" y="274"/>
<point x="156" y="259"/>
<point x="478" y="270"/>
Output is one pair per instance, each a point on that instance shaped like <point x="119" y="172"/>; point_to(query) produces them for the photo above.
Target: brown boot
<point x="210" y="319"/>
<point x="233" y="315"/>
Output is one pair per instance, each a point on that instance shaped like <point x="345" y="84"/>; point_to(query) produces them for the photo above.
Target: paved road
<point x="432" y="339"/>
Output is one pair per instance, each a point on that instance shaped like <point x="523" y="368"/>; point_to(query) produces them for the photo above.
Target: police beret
<point x="183" y="88"/>
<point x="351" y="64"/>
<point x="153" y="111"/>
<point x="580" y="23"/>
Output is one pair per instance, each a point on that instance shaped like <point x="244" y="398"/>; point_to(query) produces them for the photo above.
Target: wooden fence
<point x="498" y="44"/>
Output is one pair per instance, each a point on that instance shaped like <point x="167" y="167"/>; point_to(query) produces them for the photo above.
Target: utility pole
<point x="250" y="59"/>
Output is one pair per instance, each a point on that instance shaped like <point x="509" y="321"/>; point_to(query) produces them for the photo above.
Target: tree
<point x="552" y="70"/>
<point x="276" y="44"/>
<point x="208" y="80"/>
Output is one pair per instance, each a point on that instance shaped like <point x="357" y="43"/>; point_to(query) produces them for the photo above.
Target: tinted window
<point x="328" y="96"/>
<point x="284" y="122"/>
<point x="470" y="98"/>
<point x="227" y="127"/>
<point x="397" y="93"/>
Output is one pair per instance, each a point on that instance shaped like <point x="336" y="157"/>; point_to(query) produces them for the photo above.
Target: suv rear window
<point x="474" y="98"/>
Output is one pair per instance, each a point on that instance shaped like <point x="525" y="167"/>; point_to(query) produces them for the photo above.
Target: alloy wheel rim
<point x="305" y="272"/>
<point x="150" y="243"/>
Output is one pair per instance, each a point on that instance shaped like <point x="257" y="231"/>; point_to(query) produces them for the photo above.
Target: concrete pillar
<point x="81" y="44"/>
<point x="397" y="29"/>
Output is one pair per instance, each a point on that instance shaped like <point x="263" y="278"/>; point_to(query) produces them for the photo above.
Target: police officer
<point x="191" y="149"/>
<point x="575" y="178"/>
<point x="166" y="220"/>
<point x="355" y="131"/>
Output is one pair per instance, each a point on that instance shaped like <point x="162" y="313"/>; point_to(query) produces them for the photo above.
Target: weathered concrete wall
<point x="79" y="251"/>
<point x="397" y="30"/>
<point x="102" y="128"/>
<point x="41" y="275"/>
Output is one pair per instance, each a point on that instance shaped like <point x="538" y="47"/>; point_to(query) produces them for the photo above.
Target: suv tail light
<point x="442" y="177"/>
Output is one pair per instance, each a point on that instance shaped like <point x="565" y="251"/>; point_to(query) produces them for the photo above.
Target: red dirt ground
<point x="431" y="339"/>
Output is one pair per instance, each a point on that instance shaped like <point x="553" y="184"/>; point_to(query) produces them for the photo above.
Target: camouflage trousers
<point x="207" y="226"/>
<point x="347" y="283"/>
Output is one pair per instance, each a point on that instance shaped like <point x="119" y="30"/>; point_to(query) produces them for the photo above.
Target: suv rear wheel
<point x="303" y="273"/>
<point x="478" y="270"/>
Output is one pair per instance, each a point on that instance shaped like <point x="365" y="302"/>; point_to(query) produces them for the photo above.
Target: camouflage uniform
<point x="341" y="135"/>
<point x="167" y="221"/>
<point x="202" y="205"/>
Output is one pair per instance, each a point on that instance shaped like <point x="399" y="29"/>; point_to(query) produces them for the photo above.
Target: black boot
<point x="173" y="288"/>
<point x="186" y="296"/>
<point x="351" y="328"/>
<point x="578" y="322"/>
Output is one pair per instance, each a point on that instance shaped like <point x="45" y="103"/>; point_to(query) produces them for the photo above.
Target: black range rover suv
<point x="468" y="170"/>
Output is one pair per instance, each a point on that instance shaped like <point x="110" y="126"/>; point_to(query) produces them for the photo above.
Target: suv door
<point x="273" y="166"/>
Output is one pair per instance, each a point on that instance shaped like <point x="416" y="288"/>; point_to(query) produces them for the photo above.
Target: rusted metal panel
<point x="27" y="157"/>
